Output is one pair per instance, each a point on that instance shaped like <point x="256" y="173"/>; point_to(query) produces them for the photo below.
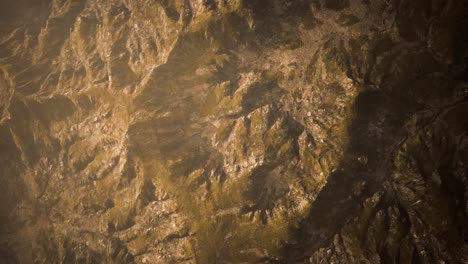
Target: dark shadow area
<point x="368" y="159"/>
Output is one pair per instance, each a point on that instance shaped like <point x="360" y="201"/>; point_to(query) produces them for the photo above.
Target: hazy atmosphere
<point x="233" y="131"/>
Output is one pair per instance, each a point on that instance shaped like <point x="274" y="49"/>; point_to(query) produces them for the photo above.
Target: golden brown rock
<point x="189" y="131"/>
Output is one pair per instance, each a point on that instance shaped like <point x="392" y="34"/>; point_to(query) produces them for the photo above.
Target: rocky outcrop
<point x="233" y="131"/>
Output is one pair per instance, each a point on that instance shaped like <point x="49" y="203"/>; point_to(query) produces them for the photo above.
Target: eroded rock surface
<point x="214" y="131"/>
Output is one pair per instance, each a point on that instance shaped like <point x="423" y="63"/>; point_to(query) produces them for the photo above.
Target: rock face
<point x="241" y="131"/>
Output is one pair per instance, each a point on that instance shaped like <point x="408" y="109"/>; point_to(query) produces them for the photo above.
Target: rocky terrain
<point x="233" y="131"/>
